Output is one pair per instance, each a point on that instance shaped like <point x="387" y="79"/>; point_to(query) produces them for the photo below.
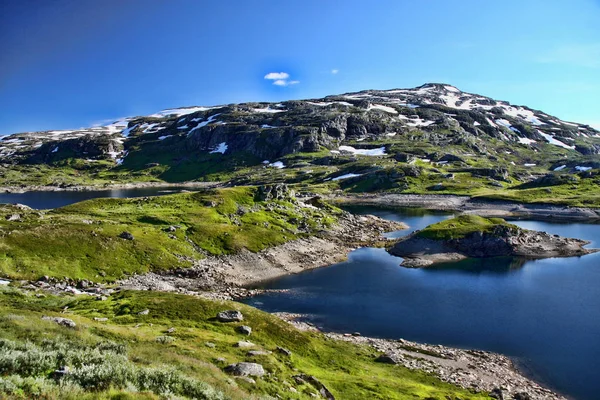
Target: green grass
<point x="349" y="371"/>
<point x="461" y="226"/>
<point x="82" y="240"/>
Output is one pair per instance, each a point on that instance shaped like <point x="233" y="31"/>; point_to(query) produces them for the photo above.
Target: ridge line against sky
<point x="68" y="64"/>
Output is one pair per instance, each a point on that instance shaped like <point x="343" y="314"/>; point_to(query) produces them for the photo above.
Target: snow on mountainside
<point x="445" y="115"/>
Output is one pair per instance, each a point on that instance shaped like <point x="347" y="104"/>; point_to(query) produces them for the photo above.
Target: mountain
<point x="405" y="132"/>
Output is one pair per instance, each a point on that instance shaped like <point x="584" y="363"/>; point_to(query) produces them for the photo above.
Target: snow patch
<point x="221" y="148"/>
<point x="346" y="176"/>
<point x="364" y="152"/>
<point x="526" y="140"/>
<point x="202" y="124"/>
<point x="560" y="168"/>
<point x="555" y="142"/>
<point x="164" y="137"/>
<point x="178" y="112"/>
<point x="382" y="108"/>
<point x="125" y="132"/>
<point x="529" y="165"/>
<point x="276" y="164"/>
<point x="582" y="169"/>
<point x="267" y="110"/>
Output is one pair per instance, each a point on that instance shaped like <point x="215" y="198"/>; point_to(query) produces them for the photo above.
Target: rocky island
<point x="474" y="236"/>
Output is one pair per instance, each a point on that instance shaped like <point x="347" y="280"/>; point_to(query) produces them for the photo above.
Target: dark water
<point x="543" y="313"/>
<point x="46" y="200"/>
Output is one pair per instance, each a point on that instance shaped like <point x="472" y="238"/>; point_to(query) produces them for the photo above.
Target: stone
<point x="387" y="359"/>
<point x="103" y="319"/>
<point x="144" y="312"/>
<point x="170" y="330"/>
<point x="230" y="316"/>
<point x="210" y="344"/>
<point x="522" y="396"/>
<point x="499" y="394"/>
<point x="254" y="353"/>
<point x="13" y="217"/>
<point x="69" y="323"/>
<point x="244" y="344"/>
<point x="244" y="329"/>
<point x="126" y="235"/>
<point x="284" y="351"/>
<point x="245" y="369"/>
<point x="323" y="391"/>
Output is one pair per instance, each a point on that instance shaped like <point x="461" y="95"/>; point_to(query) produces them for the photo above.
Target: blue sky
<point x="67" y="64"/>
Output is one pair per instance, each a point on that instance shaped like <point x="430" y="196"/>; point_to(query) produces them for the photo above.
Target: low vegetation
<point x="120" y="358"/>
<point x="461" y="226"/>
<point x="107" y="239"/>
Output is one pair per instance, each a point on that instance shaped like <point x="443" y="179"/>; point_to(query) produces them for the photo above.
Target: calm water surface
<point x="46" y="200"/>
<point x="543" y="313"/>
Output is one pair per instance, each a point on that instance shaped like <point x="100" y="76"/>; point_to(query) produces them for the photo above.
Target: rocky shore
<point x="108" y="186"/>
<point x="470" y="369"/>
<point x="418" y="250"/>
<point x="468" y="205"/>
<point x="229" y="275"/>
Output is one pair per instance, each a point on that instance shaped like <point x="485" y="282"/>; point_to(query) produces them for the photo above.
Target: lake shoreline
<point x="108" y="186"/>
<point x="469" y="205"/>
<point x="470" y="369"/>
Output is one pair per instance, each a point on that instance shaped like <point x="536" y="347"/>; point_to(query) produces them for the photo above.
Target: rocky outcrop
<point x="503" y="240"/>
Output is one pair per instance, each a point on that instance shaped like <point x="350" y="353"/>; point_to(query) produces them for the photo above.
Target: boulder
<point x="69" y="323"/>
<point x="243" y="344"/>
<point x="284" y="351"/>
<point x="245" y="369"/>
<point x="244" y="329"/>
<point x="126" y="235"/>
<point x="230" y="316"/>
<point x="387" y="359"/>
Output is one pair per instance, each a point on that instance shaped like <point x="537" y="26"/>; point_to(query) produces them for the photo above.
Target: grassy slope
<point x="349" y="371"/>
<point x="81" y="240"/>
<point x="461" y="226"/>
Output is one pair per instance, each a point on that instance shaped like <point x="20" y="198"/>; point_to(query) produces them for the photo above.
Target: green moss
<point x="461" y="226"/>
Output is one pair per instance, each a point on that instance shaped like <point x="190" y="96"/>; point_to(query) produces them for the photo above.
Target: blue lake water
<point x="45" y="200"/>
<point x="543" y="313"/>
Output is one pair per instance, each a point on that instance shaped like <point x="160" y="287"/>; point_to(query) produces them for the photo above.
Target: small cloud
<point x="335" y="71"/>
<point x="277" y="75"/>
<point x="280" y="79"/>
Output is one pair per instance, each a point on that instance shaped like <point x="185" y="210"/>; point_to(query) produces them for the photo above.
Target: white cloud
<point x="581" y="55"/>
<point x="277" y="75"/>
<point x="335" y="71"/>
<point x="280" y="79"/>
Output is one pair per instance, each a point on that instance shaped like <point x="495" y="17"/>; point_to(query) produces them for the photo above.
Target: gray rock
<point x="230" y="316"/>
<point x="69" y="323"/>
<point x="522" y="396"/>
<point x="245" y="369"/>
<point x="210" y="344"/>
<point x="244" y="329"/>
<point x="499" y="394"/>
<point x="126" y="235"/>
<point x="103" y="319"/>
<point x="387" y="359"/>
<point x="244" y="344"/>
<point x="145" y="312"/>
<point x="13" y="217"/>
<point x="284" y="351"/>
<point x="254" y="353"/>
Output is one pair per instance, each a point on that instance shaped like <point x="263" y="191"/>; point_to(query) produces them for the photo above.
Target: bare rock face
<point x="230" y="316"/>
<point x="245" y="369"/>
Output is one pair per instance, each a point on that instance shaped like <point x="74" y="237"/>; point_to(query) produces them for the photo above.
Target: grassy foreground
<point x="82" y="241"/>
<point x="133" y="356"/>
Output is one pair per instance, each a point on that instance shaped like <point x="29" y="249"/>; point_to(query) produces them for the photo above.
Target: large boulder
<point x="245" y="369"/>
<point x="278" y="191"/>
<point x="230" y="316"/>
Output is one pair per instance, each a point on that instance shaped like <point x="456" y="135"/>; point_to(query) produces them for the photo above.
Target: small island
<point x="473" y="236"/>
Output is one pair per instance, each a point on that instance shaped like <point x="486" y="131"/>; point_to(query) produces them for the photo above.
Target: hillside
<point x="434" y="138"/>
